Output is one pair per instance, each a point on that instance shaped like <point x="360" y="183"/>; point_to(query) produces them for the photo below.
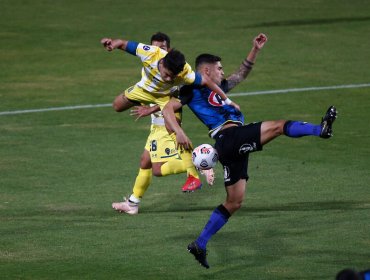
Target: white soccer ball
<point x="205" y="157"/>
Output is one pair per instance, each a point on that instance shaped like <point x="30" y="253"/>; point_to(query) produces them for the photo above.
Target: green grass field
<point x="307" y="209"/>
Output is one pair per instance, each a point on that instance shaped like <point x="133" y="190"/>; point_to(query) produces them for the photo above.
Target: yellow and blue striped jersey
<point x="151" y="80"/>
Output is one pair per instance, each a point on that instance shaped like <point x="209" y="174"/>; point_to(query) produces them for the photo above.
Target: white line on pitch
<point x="54" y="109"/>
<point x="4" y="113"/>
<point x="299" y="89"/>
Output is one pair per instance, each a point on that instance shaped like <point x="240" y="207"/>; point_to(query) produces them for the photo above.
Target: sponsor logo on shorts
<point x="226" y="174"/>
<point x="247" y="148"/>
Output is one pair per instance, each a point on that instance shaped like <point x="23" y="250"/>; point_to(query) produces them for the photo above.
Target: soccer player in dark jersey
<point x="234" y="140"/>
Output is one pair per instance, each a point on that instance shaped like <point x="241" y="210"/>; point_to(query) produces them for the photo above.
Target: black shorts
<point x="234" y="145"/>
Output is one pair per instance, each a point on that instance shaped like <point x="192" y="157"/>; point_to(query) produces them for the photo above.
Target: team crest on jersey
<point x="167" y="151"/>
<point x="215" y="99"/>
<point x="146" y="48"/>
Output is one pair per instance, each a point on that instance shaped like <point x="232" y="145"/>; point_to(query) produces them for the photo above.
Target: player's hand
<point x="236" y="106"/>
<point x="260" y="41"/>
<point x="183" y="142"/>
<point x="107" y="44"/>
<point x="140" y="111"/>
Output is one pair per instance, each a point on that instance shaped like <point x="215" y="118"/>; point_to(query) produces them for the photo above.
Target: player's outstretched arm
<point x="206" y="81"/>
<point x="111" y="44"/>
<point x="168" y="112"/>
<point x="247" y="64"/>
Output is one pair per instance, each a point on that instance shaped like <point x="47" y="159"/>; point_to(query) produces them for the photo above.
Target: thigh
<point x="238" y="141"/>
<point x="121" y="103"/>
<point x="145" y="162"/>
<point x="235" y="170"/>
<point x="236" y="192"/>
<point x="136" y="94"/>
<point x="160" y="145"/>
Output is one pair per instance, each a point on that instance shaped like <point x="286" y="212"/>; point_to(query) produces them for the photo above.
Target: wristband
<point x="228" y="101"/>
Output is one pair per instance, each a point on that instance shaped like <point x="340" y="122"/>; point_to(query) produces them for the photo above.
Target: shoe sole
<point x="190" y="251"/>
<point x="329" y="119"/>
<point x="123" y="211"/>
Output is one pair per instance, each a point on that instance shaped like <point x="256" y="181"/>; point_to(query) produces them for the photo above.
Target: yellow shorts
<point x="160" y="145"/>
<point x="137" y="94"/>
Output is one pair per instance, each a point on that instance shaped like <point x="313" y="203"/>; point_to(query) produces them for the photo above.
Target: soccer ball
<point x="204" y="157"/>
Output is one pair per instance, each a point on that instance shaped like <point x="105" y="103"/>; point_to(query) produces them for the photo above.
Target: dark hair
<point x="348" y="274"/>
<point x="206" y="58"/>
<point x="161" y="37"/>
<point x="174" y="61"/>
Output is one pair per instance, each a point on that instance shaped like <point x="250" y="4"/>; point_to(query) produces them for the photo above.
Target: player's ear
<point x="207" y="70"/>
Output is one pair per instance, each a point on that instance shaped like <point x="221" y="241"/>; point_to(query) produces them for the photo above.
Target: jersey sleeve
<point x="146" y="52"/>
<point x="225" y="85"/>
<point x="186" y="94"/>
<point x="188" y="75"/>
<point x="131" y="47"/>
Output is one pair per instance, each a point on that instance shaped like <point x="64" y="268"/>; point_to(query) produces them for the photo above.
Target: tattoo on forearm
<point x="240" y="75"/>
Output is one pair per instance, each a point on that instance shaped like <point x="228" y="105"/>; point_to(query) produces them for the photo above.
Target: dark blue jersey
<point x="209" y="107"/>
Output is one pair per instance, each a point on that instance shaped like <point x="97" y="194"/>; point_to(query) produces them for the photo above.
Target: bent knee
<point x="116" y="106"/>
<point x="120" y="103"/>
<point x="233" y="206"/>
<point x="156" y="171"/>
<point x="278" y="128"/>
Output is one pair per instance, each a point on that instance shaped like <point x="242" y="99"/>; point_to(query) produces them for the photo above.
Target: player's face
<point x="166" y="74"/>
<point x="163" y="45"/>
<point x="216" y="72"/>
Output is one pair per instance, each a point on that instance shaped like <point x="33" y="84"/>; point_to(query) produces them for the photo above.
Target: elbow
<point x="165" y="112"/>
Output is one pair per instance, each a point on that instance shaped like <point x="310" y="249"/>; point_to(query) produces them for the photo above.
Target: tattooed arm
<point x="247" y="64"/>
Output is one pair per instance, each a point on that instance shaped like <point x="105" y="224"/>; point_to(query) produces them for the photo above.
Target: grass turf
<point x="307" y="207"/>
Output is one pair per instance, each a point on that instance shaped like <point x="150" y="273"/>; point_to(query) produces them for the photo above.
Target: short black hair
<point x="174" y="61"/>
<point x="348" y="274"/>
<point x="161" y="37"/>
<point x="206" y="58"/>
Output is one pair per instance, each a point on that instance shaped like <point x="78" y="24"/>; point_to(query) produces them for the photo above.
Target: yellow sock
<point x="186" y="158"/>
<point x="191" y="170"/>
<point x="174" y="166"/>
<point x="142" y="182"/>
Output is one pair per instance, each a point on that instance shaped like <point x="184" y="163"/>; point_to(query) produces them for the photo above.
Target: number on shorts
<point x="153" y="146"/>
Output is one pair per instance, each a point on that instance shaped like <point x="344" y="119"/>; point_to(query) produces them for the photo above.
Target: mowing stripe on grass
<point x="278" y="91"/>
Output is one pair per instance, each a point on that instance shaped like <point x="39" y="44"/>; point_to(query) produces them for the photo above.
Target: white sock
<point x="134" y="199"/>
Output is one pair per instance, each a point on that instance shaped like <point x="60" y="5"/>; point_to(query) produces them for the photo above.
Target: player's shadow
<point x="248" y="210"/>
<point x="309" y="206"/>
<point x="299" y="22"/>
<point x="238" y="249"/>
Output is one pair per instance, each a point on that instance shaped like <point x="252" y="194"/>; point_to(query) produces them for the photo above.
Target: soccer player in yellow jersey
<point x="160" y="157"/>
<point x="162" y="73"/>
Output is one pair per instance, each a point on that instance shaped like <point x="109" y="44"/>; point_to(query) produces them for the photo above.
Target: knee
<point x="278" y="128"/>
<point x="156" y="170"/>
<point x="238" y="205"/>
<point x="233" y="206"/>
<point x="118" y="103"/>
<point x="116" y="106"/>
